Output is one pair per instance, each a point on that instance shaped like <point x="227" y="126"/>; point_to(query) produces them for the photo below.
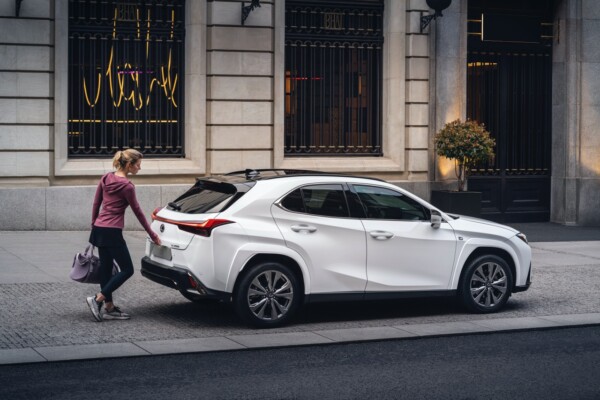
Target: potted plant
<point x="469" y="144"/>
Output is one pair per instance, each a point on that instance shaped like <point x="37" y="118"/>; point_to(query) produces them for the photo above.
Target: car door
<point x="404" y="253"/>
<point x="314" y="221"/>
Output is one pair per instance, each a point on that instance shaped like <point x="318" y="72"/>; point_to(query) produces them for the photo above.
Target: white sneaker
<point x="94" y="307"/>
<point x="115" y="313"/>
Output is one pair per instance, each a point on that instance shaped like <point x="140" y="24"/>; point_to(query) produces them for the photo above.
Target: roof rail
<point x="258" y="173"/>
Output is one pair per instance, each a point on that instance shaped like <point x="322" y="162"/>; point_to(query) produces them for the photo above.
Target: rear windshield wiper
<point x="175" y="206"/>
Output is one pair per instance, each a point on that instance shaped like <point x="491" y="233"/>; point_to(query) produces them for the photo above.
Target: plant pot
<point x="453" y="202"/>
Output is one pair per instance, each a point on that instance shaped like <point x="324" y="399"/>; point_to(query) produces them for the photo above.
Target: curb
<point x="292" y="339"/>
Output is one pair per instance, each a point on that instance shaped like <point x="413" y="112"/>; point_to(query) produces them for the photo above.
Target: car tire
<point x="486" y="284"/>
<point x="268" y="295"/>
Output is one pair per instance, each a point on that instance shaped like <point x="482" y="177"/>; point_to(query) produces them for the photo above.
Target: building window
<point x="333" y="64"/>
<point x="126" y="62"/>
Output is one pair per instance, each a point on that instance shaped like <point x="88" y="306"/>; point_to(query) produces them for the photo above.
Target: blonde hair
<point x="124" y="157"/>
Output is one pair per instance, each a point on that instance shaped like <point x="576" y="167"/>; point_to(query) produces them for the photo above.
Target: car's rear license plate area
<point x="163" y="252"/>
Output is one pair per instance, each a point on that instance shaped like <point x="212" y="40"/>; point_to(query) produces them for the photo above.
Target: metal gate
<point x="509" y="89"/>
<point x="333" y="64"/>
<point x="126" y="77"/>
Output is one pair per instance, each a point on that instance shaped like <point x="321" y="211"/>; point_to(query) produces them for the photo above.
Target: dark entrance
<point x="509" y="82"/>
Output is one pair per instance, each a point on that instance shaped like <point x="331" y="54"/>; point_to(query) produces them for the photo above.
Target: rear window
<point x="206" y="197"/>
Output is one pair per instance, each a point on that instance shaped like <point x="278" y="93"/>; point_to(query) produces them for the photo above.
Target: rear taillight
<point x="202" y="228"/>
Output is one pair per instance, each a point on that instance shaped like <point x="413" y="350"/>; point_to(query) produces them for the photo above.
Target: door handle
<point x="381" y="235"/>
<point x="304" y="228"/>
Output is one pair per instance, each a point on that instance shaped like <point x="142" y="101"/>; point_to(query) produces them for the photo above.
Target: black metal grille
<point x="510" y="93"/>
<point x="126" y="61"/>
<point x="333" y="63"/>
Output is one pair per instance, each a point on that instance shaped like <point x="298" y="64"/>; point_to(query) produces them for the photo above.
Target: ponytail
<point x="124" y="157"/>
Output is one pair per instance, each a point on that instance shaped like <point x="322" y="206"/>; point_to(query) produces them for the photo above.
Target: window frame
<point x="343" y="188"/>
<point x="393" y="97"/>
<point x="195" y="99"/>
<point x="426" y="211"/>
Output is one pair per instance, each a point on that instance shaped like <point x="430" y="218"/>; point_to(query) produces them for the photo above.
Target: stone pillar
<point x="576" y="114"/>
<point x="449" y="76"/>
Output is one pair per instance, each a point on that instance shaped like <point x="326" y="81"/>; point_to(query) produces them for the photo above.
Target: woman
<point x="115" y="193"/>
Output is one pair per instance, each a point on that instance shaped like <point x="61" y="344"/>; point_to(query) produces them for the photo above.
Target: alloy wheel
<point x="270" y="295"/>
<point x="489" y="285"/>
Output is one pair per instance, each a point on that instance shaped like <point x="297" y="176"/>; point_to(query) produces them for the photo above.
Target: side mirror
<point x="436" y="219"/>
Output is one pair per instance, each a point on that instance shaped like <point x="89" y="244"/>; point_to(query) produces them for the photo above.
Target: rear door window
<point x="324" y="200"/>
<point x="206" y="197"/>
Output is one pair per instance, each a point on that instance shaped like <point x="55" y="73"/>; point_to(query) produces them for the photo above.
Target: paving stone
<point x="90" y="351"/>
<point x="192" y="345"/>
<point x="369" y="333"/>
<point x="279" y="339"/>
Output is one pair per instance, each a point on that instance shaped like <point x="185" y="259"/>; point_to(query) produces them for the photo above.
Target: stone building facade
<point x="235" y="85"/>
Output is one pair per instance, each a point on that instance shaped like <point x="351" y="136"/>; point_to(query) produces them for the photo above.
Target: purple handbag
<point x="86" y="267"/>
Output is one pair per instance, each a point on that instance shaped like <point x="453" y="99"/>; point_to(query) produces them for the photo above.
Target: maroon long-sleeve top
<point x="115" y="194"/>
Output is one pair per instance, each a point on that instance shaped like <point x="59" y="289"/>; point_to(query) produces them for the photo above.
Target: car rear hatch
<point x="196" y="211"/>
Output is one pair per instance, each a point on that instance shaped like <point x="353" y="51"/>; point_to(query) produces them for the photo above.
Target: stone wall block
<point x="590" y="120"/>
<point x="228" y="161"/>
<point x="69" y="207"/>
<point x="557" y="205"/>
<point x="26" y="31"/>
<point x="589" y="201"/>
<point x="33" y="111"/>
<point x="559" y="86"/>
<point x="23" y="209"/>
<point x="240" y="137"/>
<point x="8" y="111"/>
<point x="590" y="31"/>
<point x="24" y="137"/>
<point x="240" y="63"/>
<point x="590" y="91"/>
<point x="417" y="91"/>
<point x="29" y="8"/>
<point x="418" y="137"/>
<point x="417" y="68"/>
<point x="233" y="38"/>
<point x="418" y="160"/>
<point x="25" y="58"/>
<point x="590" y="9"/>
<point x="20" y="84"/>
<point x="417" y="45"/>
<point x="590" y="165"/>
<point x="240" y="88"/>
<point x="417" y="114"/>
<point x="15" y="164"/>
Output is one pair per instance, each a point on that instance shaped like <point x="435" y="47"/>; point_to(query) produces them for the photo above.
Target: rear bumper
<point x="179" y="279"/>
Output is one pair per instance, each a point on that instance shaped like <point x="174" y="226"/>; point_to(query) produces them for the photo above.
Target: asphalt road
<point x="548" y="364"/>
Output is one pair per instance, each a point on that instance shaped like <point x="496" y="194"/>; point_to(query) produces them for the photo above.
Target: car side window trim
<point x="369" y="213"/>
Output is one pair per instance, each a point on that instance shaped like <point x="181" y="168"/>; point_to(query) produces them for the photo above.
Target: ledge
<point x="95" y="167"/>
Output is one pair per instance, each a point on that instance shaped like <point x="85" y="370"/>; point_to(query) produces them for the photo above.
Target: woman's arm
<point x="97" y="202"/>
<point x="131" y="198"/>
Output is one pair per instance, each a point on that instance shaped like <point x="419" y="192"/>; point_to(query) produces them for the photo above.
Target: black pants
<point x="109" y="283"/>
<point x="111" y="246"/>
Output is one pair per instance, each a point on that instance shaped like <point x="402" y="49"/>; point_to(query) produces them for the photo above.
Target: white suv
<point x="271" y="240"/>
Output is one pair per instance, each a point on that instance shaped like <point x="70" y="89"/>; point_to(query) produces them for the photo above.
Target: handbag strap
<point x="89" y="250"/>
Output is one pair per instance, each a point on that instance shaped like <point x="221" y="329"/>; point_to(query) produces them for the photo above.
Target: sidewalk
<point x="44" y="316"/>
